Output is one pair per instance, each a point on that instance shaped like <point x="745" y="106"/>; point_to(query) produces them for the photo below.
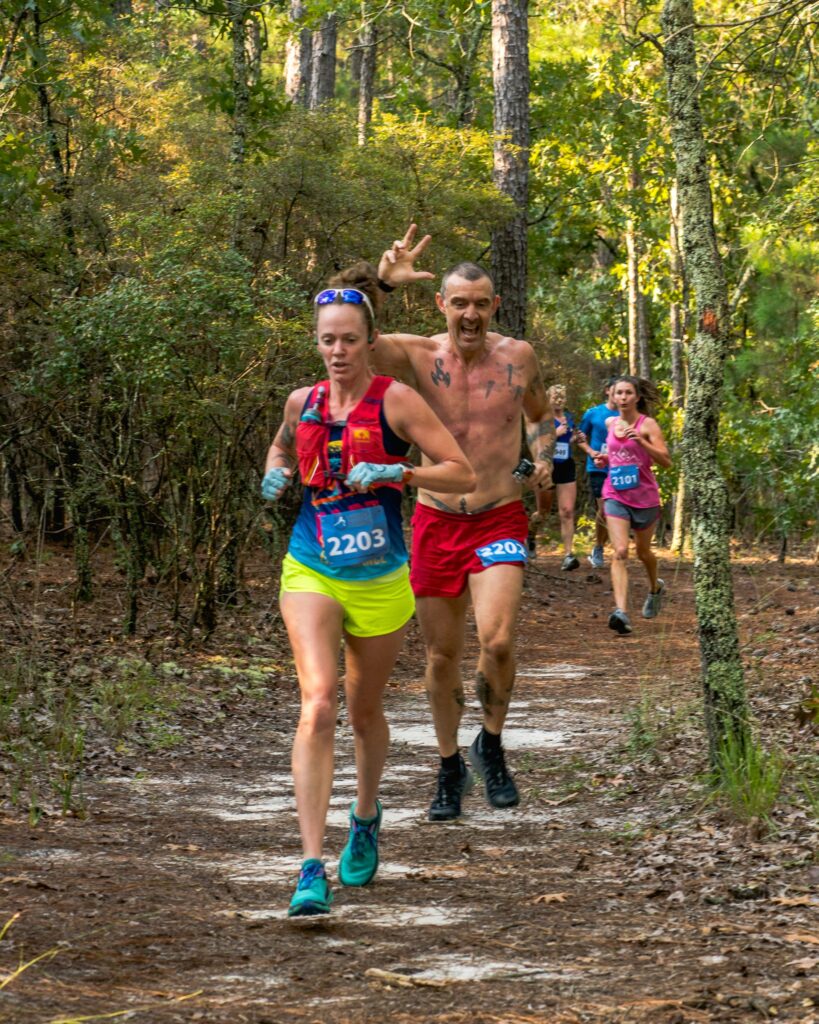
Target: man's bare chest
<point x="486" y="395"/>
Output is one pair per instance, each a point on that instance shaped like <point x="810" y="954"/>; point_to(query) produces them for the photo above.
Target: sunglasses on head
<point x="352" y="295"/>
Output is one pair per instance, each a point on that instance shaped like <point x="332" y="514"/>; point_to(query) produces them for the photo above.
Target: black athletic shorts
<point x="564" y="472"/>
<point x="596" y="481"/>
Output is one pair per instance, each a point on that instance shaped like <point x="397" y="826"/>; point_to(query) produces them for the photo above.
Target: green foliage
<point x="157" y="304"/>
<point x="748" y="779"/>
<point x="49" y="713"/>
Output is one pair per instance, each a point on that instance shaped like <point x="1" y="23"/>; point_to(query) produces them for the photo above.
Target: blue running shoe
<point x="312" y="895"/>
<point x="359" y="858"/>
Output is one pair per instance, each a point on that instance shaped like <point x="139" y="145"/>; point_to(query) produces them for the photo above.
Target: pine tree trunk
<point x="366" y="80"/>
<point x="726" y="709"/>
<point x="323" y="77"/>
<point x="299" y="59"/>
<point x="510" y="61"/>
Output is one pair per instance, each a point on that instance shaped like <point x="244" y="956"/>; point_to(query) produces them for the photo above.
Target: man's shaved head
<point x="469" y="272"/>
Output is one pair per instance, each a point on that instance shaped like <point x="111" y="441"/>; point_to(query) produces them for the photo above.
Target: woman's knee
<point x="620" y="551"/>
<point x="318" y="714"/>
<point x="364" y="715"/>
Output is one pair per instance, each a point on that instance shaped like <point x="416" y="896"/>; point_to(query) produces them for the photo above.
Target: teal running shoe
<point x="312" y="895"/>
<point x="359" y="858"/>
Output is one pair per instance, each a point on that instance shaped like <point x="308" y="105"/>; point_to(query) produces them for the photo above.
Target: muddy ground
<point x="617" y="892"/>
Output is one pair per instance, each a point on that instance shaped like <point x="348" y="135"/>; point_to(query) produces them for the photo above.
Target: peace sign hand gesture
<point x="397" y="265"/>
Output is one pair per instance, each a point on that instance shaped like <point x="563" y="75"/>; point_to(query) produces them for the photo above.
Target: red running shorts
<point x="445" y="546"/>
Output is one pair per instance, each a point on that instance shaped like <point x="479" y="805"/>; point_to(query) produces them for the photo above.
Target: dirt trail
<point x="612" y="894"/>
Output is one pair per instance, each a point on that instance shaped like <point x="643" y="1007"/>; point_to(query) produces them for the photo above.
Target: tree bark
<point x="368" y="43"/>
<point x="510" y="65"/>
<point x="323" y="78"/>
<point x="639" y="360"/>
<point x="726" y="711"/>
<point x="254" y="45"/>
<point x="677" y="320"/>
<point x="238" y="14"/>
<point x="464" y="105"/>
<point x="679" y="304"/>
<point x="299" y="59"/>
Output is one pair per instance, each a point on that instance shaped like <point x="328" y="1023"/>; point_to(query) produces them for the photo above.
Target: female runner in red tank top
<point x="631" y="497"/>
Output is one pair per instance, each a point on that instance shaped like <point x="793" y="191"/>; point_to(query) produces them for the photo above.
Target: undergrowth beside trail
<point x="56" y="718"/>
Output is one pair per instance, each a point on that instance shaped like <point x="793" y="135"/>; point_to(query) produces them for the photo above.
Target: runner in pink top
<point x="631" y="498"/>
<point x="630" y="480"/>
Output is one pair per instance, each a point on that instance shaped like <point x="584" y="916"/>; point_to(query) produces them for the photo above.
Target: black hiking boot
<point x="499" y="785"/>
<point x="451" y="787"/>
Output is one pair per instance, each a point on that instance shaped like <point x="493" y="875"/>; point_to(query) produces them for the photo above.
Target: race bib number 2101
<point x="501" y="551"/>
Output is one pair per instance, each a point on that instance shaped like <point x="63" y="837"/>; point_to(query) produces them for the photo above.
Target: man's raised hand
<point x="397" y="265"/>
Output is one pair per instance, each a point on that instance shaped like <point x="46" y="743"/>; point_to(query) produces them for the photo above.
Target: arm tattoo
<point x="286" y="436"/>
<point x="544" y="428"/>
<point x="541" y="439"/>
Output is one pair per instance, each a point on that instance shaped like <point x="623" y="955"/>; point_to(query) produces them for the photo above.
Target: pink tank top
<point x="629" y="479"/>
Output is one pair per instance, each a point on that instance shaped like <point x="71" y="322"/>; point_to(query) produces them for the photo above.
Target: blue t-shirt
<point x="593" y="426"/>
<point x="305" y="545"/>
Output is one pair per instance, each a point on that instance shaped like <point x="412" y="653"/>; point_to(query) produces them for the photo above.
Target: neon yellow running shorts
<point x="371" y="607"/>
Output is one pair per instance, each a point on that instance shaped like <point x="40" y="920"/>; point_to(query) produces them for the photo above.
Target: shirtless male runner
<point x="473" y="546"/>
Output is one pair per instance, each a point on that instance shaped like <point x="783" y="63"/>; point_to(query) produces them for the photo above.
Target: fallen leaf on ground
<point x="812" y="940"/>
<point x="807" y="963"/>
<point x="402" y="980"/>
<point x="551" y="897"/>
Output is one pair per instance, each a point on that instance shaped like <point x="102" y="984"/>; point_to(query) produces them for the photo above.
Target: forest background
<point x="179" y="179"/>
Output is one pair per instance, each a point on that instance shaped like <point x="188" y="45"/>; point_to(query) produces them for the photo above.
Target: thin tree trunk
<point x="366" y="80"/>
<point x="639" y="361"/>
<point x="254" y="44"/>
<point x="726" y="710"/>
<point x="237" y="11"/>
<point x="323" y="79"/>
<point x="679" y="517"/>
<point x="238" y="14"/>
<point x="464" y="106"/>
<point x="510" y="64"/>
<point x="63" y="186"/>
<point x="299" y="59"/>
<point x="8" y="50"/>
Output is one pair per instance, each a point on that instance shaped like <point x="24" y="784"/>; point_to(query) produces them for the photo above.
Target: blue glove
<point x="365" y="474"/>
<point x="274" y="483"/>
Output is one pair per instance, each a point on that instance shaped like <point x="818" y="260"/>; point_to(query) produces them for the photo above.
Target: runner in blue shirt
<point x="593" y="426"/>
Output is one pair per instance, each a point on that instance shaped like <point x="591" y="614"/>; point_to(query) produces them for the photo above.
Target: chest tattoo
<point x="489" y="385"/>
<point x="463" y="505"/>
<point x="510" y="371"/>
<point x="440" y="375"/>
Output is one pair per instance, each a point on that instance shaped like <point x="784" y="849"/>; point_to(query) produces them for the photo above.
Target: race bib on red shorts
<point x="502" y="551"/>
